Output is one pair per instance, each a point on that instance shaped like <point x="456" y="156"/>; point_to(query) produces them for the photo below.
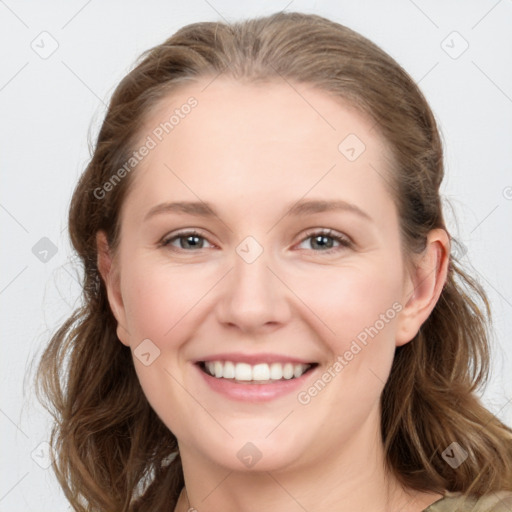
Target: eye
<point x="320" y="241"/>
<point x="325" y="239"/>
<point x="187" y="240"/>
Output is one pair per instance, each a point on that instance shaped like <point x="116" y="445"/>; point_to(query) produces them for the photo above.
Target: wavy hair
<point x="113" y="453"/>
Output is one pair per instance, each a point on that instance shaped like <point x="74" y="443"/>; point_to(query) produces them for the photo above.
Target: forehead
<point x="255" y="138"/>
<point x="259" y="111"/>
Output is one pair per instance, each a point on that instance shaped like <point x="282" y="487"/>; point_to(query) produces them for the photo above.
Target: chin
<point x="246" y="454"/>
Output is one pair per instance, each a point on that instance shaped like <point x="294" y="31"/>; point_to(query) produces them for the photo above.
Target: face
<point x="266" y="273"/>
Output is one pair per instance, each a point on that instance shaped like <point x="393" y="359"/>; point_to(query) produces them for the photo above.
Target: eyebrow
<point x="299" y="208"/>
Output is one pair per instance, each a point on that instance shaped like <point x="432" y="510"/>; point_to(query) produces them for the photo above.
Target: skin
<point x="250" y="150"/>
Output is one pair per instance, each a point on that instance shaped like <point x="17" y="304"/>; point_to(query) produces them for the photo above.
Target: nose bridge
<point x="252" y="281"/>
<point x="253" y="296"/>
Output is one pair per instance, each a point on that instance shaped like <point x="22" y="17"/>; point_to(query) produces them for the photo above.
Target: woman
<point x="272" y="319"/>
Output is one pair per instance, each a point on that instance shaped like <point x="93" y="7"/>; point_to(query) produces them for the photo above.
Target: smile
<point x="257" y="373"/>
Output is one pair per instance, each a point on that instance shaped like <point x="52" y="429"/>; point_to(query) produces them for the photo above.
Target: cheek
<point x="361" y="308"/>
<point x="350" y="298"/>
<point x="160" y="303"/>
<point x="159" y="299"/>
<point x="167" y="302"/>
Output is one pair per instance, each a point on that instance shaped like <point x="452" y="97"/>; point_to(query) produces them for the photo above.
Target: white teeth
<point x="258" y="372"/>
<point x="218" y="369"/>
<point x="243" y="371"/>
<point x="228" y="372"/>
<point x="276" y="371"/>
<point x="297" y="370"/>
<point x="288" y="371"/>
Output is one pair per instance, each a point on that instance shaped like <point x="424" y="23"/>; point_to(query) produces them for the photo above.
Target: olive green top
<point x="455" y="502"/>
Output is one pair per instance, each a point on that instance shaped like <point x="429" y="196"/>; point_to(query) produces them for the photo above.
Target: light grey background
<point x="48" y="103"/>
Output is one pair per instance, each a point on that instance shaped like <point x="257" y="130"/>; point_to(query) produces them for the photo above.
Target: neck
<point x="414" y="502"/>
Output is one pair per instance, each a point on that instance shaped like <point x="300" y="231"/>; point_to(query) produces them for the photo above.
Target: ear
<point x="110" y="274"/>
<point x="423" y="285"/>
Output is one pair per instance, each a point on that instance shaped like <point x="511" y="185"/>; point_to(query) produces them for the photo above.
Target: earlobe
<point x="110" y="276"/>
<point x="425" y="285"/>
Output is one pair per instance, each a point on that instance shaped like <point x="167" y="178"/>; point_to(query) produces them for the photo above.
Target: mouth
<point x="262" y="373"/>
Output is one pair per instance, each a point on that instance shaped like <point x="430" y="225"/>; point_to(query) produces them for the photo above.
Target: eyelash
<point x="344" y="241"/>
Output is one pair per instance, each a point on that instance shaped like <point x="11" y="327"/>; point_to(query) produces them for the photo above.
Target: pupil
<point x="193" y="238"/>
<point x="325" y="241"/>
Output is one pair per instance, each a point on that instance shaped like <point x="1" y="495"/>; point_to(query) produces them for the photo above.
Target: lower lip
<point x="255" y="392"/>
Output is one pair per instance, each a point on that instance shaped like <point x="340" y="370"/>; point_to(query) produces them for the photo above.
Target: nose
<point x="253" y="298"/>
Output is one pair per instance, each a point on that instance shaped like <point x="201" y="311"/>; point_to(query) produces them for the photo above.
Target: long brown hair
<point x="112" y="451"/>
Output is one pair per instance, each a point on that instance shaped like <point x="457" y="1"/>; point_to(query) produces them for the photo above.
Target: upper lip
<point x="253" y="359"/>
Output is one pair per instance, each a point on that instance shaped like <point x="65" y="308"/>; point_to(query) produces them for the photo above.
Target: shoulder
<point x="498" y="501"/>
